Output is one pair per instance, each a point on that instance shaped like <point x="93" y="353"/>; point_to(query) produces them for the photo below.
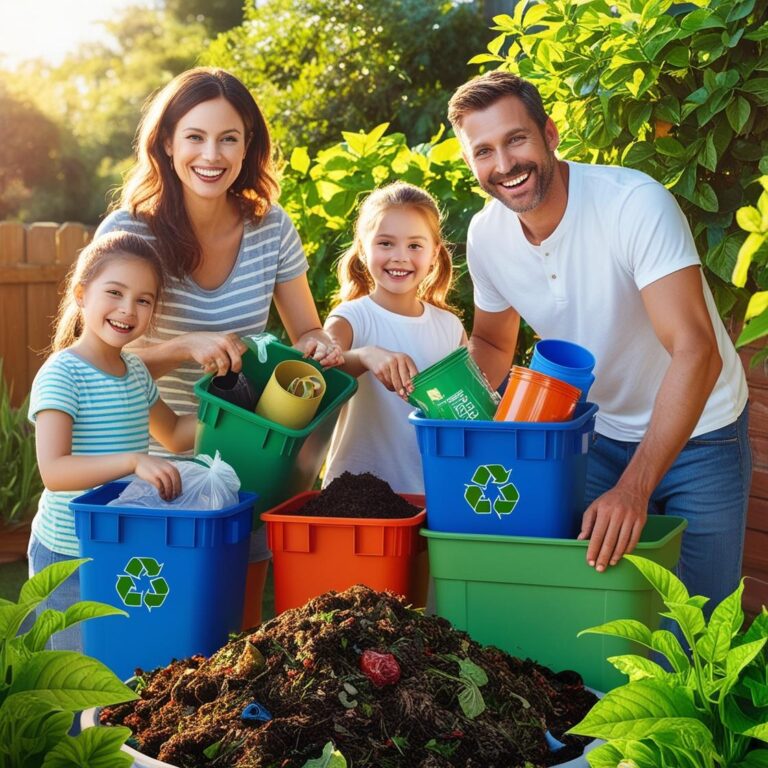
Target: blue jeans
<point x="66" y="594"/>
<point x="708" y="485"/>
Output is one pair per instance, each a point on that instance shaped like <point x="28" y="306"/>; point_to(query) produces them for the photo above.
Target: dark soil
<point x="304" y="668"/>
<point x="362" y="495"/>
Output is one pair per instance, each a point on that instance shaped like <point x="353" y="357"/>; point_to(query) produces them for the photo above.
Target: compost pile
<point x="363" y="495"/>
<point x="389" y="686"/>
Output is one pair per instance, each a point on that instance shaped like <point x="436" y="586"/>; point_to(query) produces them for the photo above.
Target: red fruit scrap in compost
<point x="380" y="668"/>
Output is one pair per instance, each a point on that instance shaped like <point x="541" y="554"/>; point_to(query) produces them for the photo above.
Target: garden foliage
<point x="709" y="711"/>
<point x="21" y="485"/>
<point x="321" y="195"/>
<point x="754" y="221"/>
<point x="40" y="691"/>
<point x="679" y="91"/>
<point x="318" y="67"/>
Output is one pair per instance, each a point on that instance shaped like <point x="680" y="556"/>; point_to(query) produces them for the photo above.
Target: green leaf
<point x="331" y="758"/>
<point x="68" y="680"/>
<point x="725" y="622"/>
<point x="93" y="748"/>
<point x="749" y="219"/>
<point x="638" y="710"/>
<point x="471" y="700"/>
<point x="90" y="609"/>
<point x="747" y="251"/>
<point x="756" y="758"/>
<point x="46" y="624"/>
<point x="620" y="751"/>
<point x="469" y="670"/>
<point x="689" y="617"/>
<point x="31" y="727"/>
<point x="637" y="667"/>
<point x="669" y="145"/>
<point x="738" y="721"/>
<point x="671" y="589"/>
<point x="708" y="154"/>
<point x="663" y="641"/>
<point x="300" y="160"/>
<point x="42" y="584"/>
<point x="447" y="151"/>
<point x="741" y="655"/>
<point x="754" y="330"/>
<point x="629" y="629"/>
<point x="699" y="19"/>
<point x="738" y="112"/>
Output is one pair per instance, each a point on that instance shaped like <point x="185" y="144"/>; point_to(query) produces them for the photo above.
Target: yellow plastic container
<point x="281" y="406"/>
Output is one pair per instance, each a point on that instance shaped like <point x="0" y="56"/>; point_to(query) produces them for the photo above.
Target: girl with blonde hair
<point x="393" y="321"/>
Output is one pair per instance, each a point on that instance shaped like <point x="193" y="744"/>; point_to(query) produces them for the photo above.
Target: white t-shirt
<point x="620" y="232"/>
<point x="373" y="433"/>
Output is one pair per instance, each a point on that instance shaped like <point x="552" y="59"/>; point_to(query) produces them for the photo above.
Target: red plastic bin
<point x="312" y="555"/>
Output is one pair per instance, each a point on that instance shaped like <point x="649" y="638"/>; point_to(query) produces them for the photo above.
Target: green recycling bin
<point x="271" y="460"/>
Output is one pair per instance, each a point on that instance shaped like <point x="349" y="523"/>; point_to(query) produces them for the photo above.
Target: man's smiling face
<point x="512" y="158"/>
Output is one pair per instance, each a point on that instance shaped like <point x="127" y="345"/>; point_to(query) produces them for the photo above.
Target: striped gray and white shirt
<point x="270" y="252"/>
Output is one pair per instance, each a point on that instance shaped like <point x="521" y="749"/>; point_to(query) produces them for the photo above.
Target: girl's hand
<point x="325" y="351"/>
<point x="216" y="352"/>
<point x="393" y="369"/>
<point x="161" y="473"/>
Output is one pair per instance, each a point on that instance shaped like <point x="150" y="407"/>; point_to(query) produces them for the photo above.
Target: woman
<point x="203" y="190"/>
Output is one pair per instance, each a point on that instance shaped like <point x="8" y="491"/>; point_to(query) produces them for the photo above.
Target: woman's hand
<point x="216" y="352"/>
<point x="161" y="473"/>
<point x="393" y="369"/>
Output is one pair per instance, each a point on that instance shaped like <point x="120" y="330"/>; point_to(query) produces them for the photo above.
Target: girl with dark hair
<point x="94" y="404"/>
<point x="203" y="191"/>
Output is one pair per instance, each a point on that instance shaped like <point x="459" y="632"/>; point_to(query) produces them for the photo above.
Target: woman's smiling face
<point x="207" y="148"/>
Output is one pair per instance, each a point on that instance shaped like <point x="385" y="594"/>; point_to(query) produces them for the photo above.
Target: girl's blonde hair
<point x="355" y="280"/>
<point x="90" y="262"/>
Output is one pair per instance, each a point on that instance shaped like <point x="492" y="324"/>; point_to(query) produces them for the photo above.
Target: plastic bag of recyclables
<point x="206" y="483"/>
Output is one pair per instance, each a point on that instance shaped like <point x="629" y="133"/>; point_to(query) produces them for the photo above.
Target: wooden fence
<point x="34" y="259"/>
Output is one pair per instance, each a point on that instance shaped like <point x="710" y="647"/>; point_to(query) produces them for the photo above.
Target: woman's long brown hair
<point x="153" y="192"/>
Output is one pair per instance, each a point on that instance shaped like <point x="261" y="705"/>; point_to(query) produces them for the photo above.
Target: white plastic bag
<point x="206" y="483"/>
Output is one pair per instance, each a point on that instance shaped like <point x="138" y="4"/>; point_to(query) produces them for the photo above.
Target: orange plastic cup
<point x="534" y="396"/>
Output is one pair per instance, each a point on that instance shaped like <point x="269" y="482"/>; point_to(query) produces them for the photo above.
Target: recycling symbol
<point x="138" y="572"/>
<point x="491" y="491"/>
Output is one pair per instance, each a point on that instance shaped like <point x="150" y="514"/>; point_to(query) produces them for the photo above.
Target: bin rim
<point x="588" y="411"/>
<point x="676" y="528"/>
<point x="201" y="392"/>
<point x="275" y="515"/>
<point x="86" y="503"/>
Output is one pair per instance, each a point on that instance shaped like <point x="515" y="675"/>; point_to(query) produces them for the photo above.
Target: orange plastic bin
<point x="312" y="555"/>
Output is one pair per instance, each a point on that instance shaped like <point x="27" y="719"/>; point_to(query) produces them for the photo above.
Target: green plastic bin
<point x="271" y="460"/>
<point x="531" y="596"/>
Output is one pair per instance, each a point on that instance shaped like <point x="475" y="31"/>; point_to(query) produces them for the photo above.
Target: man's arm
<point x="493" y="341"/>
<point x="678" y="312"/>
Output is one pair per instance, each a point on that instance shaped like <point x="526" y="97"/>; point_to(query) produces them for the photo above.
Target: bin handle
<point x="260" y="341"/>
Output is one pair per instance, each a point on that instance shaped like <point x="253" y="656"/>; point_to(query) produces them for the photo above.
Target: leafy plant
<point x="21" y="486"/>
<point x="754" y="221"/>
<point x="710" y="711"/>
<point x="676" y="90"/>
<point x="331" y="758"/>
<point x="41" y="690"/>
<point x="470" y="678"/>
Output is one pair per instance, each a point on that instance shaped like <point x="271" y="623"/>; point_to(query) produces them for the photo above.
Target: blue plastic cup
<point x="566" y="361"/>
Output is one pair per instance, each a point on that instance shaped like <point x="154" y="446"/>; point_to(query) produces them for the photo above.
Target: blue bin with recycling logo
<point x="504" y="477"/>
<point x="178" y="574"/>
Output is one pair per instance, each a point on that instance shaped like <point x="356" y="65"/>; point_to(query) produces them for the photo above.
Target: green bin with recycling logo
<point x="178" y="574"/>
<point x="505" y="478"/>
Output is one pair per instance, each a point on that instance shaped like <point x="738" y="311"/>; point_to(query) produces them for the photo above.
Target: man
<point x="602" y="256"/>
